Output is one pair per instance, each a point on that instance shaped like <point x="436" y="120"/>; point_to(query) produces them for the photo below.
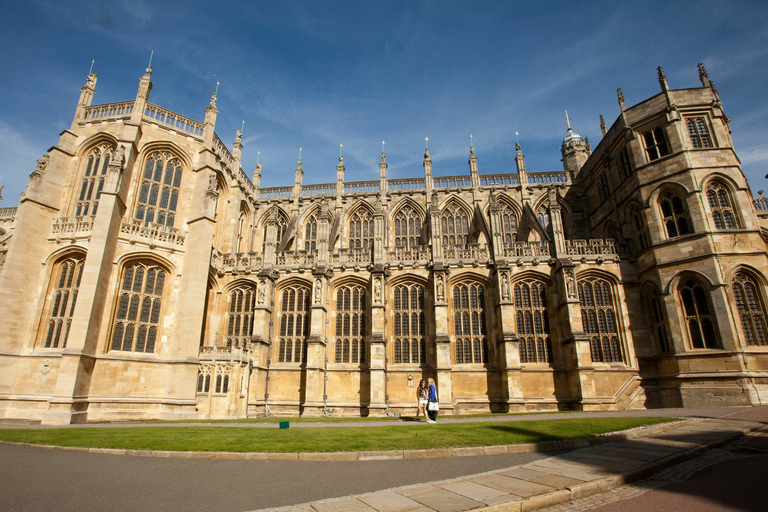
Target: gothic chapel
<point x="144" y="275"/>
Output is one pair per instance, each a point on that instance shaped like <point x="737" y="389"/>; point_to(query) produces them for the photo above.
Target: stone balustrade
<point x="451" y="181"/>
<point x="109" y="111"/>
<point x="135" y="229"/>
<point x="297" y="258"/>
<point x="173" y="120"/>
<point x="466" y="254"/>
<point x="563" y="177"/>
<point x="8" y="213"/>
<point x="399" y="254"/>
<point x="498" y="180"/>
<point x="72" y="225"/>
<point x="275" y="192"/>
<point x="406" y="184"/>
<point x="353" y="255"/>
<point x="221" y="151"/>
<point x="590" y="247"/>
<point x="356" y="187"/>
<point x="760" y="202"/>
<point x="526" y="250"/>
<point x="318" y="190"/>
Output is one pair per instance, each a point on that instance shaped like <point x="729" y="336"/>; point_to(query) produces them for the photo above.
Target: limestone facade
<point x="145" y="275"/>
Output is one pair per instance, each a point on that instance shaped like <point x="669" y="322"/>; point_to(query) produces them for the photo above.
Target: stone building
<point x="145" y="275"/>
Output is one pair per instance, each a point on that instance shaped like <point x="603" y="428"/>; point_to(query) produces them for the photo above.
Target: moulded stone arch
<point x="407" y="201"/>
<point x="653" y="197"/>
<point x="749" y="269"/>
<point x="357" y="206"/>
<point x="145" y="257"/>
<point x="453" y="197"/>
<point x="239" y="282"/>
<point x="290" y="281"/>
<point x="531" y="274"/>
<point x="674" y="281"/>
<point x="65" y="252"/>
<point x="409" y="278"/>
<point x="164" y="146"/>
<point x="348" y="280"/>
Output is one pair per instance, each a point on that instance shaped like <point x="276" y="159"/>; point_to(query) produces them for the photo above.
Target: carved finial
<point x="518" y="150"/>
<point x="213" y="101"/>
<point x="621" y="99"/>
<point x="298" y="168"/>
<point x="90" y="81"/>
<point x="662" y="78"/>
<point x="426" y="151"/>
<point x="703" y="76"/>
<point x="586" y="144"/>
<point x="602" y="125"/>
<point x="257" y="173"/>
<point x="41" y="167"/>
<point x="567" y="120"/>
<point x="239" y="137"/>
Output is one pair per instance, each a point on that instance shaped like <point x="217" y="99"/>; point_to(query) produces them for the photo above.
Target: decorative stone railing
<point x="109" y="111"/>
<point x="8" y="213"/>
<point x="356" y="255"/>
<point x="466" y="254"/>
<point x="408" y="254"/>
<point x="156" y="232"/>
<point x="275" y="192"/>
<point x="318" y="190"/>
<point x="590" y="247"/>
<point x="241" y="260"/>
<point x="215" y="350"/>
<point x="526" y="250"/>
<point x="406" y="184"/>
<point x="760" y="202"/>
<point x="360" y="186"/>
<point x="549" y="177"/>
<point x="451" y="181"/>
<point x="72" y="225"/>
<point x="221" y="151"/>
<point x="297" y="258"/>
<point x="497" y="180"/>
<point x="174" y="120"/>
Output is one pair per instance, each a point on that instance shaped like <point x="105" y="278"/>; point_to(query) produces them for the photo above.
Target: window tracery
<point x="409" y="325"/>
<point x="93" y="180"/>
<point x="696" y="310"/>
<point x="699" y="132"/>
<point x="658" y="321"/>
<point x="137" y="319"/>
<point x="240" y="316"/>
<point x="310" y="234"/>
<point x="67" y="281"/>
<point x="159" y="190"/>
<point x="508" y="224"/>
<point x="351" y="328"/>
<point x="361" y="229"/>
<point x="656" y="143"/>
<point x="407" y="227"/>
<point x="598" y="317"/>
<point x="469" y="323"/>
<point x="751" y="309"/>
<point x="532" y="322"/>
<point x="455" y="225"/>
<point x="294" y="325"/>
<point x="674" y="214"/>
<point x="721" y="205"/>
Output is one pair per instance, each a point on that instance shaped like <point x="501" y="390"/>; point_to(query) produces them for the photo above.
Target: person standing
<point x="432" y="405"/>
<point x="422" y="395"/>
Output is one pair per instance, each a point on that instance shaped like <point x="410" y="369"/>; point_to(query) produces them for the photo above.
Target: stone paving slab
<point x="559" y="479"/>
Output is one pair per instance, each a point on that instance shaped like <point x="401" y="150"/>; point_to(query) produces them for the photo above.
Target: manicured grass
<point x="401" y="437"/>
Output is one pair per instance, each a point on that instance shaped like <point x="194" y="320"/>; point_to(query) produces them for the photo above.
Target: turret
<point x="574" y="150"/>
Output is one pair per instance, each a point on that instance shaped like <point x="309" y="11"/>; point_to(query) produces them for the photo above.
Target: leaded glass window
<point x="294" y="325"/>
<point x="700" y="321"/>
<point x="93" y="180"/>
<point x="407" y="227"/>
<point x="159" y="190"/>
<point x="361" y="229"/>
<point x="698" y="132"/>
<point x="721" y="205"/>
<point x="310" y="234"/>
<point x="240" y="316"/>
<point x="137" y="319"/>
<point x="658" y="320"/>
<point x="351" y="325"/>
<point x="656" y="143"/>
<point x="674" y="214"/>
<point x="409" y="324"/>
<point x="67" y="281"/>
<point x="454" y="222"/>
<point x="598" y="317"/>
<point x="469" y="323"/>
<point x="532" y="322"/>
<point x="749" y="304"/>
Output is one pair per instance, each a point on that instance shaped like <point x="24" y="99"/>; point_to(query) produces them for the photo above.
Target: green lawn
<point x="330" y="439"/>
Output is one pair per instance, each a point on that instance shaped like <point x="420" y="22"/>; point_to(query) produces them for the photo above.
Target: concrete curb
<point x="383" y="455"/>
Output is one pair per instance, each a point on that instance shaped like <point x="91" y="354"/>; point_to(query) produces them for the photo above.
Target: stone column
<point x="442" y="361"/>
<point x="261" y="343"/>
<point x="378" y="402"/>
<point x="313" y="402"/>
<point x="509" y="344"/>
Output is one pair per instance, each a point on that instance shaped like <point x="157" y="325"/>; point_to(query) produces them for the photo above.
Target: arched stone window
<point x="542" y="215"/>
<point x="407" y="227"/>
<point x="409" y="324"/>
<point x="657" y="320"/>
<point x="638" y="227"/>
<point x="93" y="180"/>
<point x="351" y="327"/>
<point x="721" y="205"/>
<point x="469" y="323"/>
<point x="281" y="223"/>
<point x="294" y="325"/>
<point x="361" y="229"/>
<point x="240" y="316"/>
<point x="242" y="226"/>
<point x="698" y="132"/>
<point x="702" y="325"/>
<point x="532" y="323"/>
<point x="455" y="225"/>
<point x="159" y="190"/>
<point x="137" y="319"/>
<point x="204" y="378"/>
<point x="751" y="309"/>
<point x="598" y="317"/>
<point x="508" y="224"/>
<point x="66" y="279"/>
<point x="310" y="234"/>
<point x="674" y="214"/>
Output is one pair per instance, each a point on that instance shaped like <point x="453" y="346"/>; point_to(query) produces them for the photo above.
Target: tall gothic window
<point x="409" y="324"/>
<point x="598" y="317"/>
<point x="675" y="217"/>
<point x="361" y="229"/>
<point x="455" y="225"/>
<point x="294" y="325"/>
<point x="159" y="190"/>
<point x="656" y="143"/>
<point x="658" y="321"/>
<point x="407" y="227"/>
<point x="699" y="132"/>
<point x="68" y="274"/>
<point x="543" y="215"/>
<point x="93" y="180"/>
<point x="751" y="310"/>
<point x="623" y="162"/>
<point x="532" y="322"/>
<point x="721" y="206"/>
<point x="508" y="224"/>
<point x="698" y="317"/>
<point x="282" y="226"/>
<point x="240" y="316"/>
<point x="351" y="314"/>
<point x="469" y="323"/>
<point x="138" y="312"/>
<point x="638" y="226"/>
<point x="310" y="233"/>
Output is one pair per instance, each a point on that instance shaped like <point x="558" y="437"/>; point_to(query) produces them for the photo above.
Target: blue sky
<point x="318" y="74"/>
